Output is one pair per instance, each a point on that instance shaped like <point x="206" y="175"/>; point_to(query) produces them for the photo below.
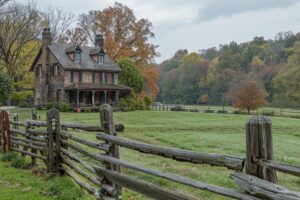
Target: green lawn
<point x="202" y="132"/>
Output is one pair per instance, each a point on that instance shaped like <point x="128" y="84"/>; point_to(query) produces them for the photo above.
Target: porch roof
<point x="97" y="86"/>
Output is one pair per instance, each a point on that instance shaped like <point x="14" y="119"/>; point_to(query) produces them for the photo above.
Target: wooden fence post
<point x="53" y="129"/>
<point x="33" y="114"/>
<point x="5" y="134"/>
<point x="259" y="145"/>
<point x="107" y="121"/>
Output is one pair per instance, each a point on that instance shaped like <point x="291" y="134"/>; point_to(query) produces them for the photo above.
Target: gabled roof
<point x="87" y="63"/>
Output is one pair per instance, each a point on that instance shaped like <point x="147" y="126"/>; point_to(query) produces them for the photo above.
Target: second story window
<point x="77" y="56"/>
<point x="72" y="77"/>
<point x="55" y="70"/>
<point x="38" y="71"/>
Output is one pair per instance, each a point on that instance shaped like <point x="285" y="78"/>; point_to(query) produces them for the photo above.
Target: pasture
<point x="202" y="132"/>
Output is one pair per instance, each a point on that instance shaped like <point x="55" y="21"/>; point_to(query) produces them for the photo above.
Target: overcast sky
<point x="200" y="24"/>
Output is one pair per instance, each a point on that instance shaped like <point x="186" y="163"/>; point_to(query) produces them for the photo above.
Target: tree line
<point x="246" y="75"/>
<point x="126" y="37"/>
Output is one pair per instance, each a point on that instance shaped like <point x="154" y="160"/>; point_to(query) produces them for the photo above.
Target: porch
<point x="92" y="95"/>
<point x="85" y="98"/>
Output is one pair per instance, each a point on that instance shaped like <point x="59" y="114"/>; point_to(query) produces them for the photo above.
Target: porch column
<point x="77" y="97"/>
<point x="105" y="96"/>
<point x="93" y="98"/>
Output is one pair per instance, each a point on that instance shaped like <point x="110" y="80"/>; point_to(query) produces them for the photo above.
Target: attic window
<point x="77" y="57"/>
<point x="101" y="59"/>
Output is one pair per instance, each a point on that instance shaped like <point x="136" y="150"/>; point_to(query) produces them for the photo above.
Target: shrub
<point x="222" y="111"/>
<point x="268" y="113"/>
<point x="9" y="156"/>
<point x="209" y="111"/>
<point x="64" y="107"/>
<point x="238" y="112"/>
<point x="147" y="102"/>
<point x="178" y="108"/>
<point x="38" y="107"/>
<point x="194" y="110"/>
<point x="23" y="104"/>
<point x="49" y="105"/>
<point x="18" y="162"/>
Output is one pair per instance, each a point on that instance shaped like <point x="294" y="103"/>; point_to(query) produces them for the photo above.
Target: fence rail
<point x="63" y="150"/>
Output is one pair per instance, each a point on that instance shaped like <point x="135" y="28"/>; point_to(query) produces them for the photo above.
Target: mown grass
<point x="202" y="132"/>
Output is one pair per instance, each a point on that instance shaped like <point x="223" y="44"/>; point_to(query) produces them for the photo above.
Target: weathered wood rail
<point x="64" y="149"/>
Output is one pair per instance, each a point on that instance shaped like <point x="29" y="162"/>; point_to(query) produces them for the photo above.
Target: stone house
<point x="79" y="75"/>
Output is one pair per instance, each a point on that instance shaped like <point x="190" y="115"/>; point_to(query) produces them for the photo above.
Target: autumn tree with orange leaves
<point x="249" y="95"/>
<point x="125" y="36"/>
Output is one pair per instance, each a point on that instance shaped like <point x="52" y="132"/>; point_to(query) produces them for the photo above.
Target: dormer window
<point x="77" y="56"/>
<point x="101" y="59"/>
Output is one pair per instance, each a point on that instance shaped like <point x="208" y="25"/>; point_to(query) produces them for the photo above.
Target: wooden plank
<point x="37" y="143"/>
<point x="88" y="176"/>
<point x="285" y="168"/>
<point x="36" y="123"/>
<point x="29" y="145"/>
<point x="263" y="189"/>
<point x="84" y="127"/>
<point x="29" y="154"/>
<point x="79" y="181"/>
<point x="148" y="189"/>
<point x="179" y="179"/>
<point x="231" y="162"/>
<point x="25" y="134"/>
<point x="37" y="132"/>
<point x="96" y="145"/>
<point x="18" y="123"/>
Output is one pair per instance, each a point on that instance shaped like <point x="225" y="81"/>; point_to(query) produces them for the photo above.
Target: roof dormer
<point x="74" y="53"/>
<point x="77" y="55"/>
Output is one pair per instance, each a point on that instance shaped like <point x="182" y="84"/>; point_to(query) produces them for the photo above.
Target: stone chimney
<point x="46" y="36"/>
<point x="99" y="41"/>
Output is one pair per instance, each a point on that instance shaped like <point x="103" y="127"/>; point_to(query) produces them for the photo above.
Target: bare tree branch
<point x="59" y="21"/>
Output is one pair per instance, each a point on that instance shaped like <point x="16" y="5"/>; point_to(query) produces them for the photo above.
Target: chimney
<point x="46" y="36"/>
<point x="99" y="41"/>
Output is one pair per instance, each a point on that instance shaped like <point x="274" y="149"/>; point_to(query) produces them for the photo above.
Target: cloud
<point x="214" y="9"/>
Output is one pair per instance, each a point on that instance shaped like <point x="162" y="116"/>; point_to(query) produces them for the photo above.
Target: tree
<point x="130" y="76"/>
<point x="5" y="89"/>
<point x="2" y="3"/>
<point x="287" y="82"/>
<point x="18" y="27"/>
<point x="76" y="36"/>
<point x="249" y="95"/>
<point x="59" y="21"/>
<point x="125" y="36"/>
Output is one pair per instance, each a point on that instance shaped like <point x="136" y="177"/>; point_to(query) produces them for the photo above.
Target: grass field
<point x="202" y="132"/>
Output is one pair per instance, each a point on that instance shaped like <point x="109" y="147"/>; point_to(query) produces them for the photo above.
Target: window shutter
<point x="80" y="77"/>
<point x="93" y="77"/>
<point x="72" y="77"/>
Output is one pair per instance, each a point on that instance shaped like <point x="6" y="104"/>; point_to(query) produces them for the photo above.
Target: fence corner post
<point x="259" y="146"/>
<point x="53" y="129"/>
<point x="107" y="122"/>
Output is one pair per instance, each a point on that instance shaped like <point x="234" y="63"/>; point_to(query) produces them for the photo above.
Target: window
<point x="113" y="78"/>
<point x="38" y="71"/>
<point x="80" y="77"/>
<point x="77" y="56"/>
<point x="101" y="59"/>
<point x="94" y="77"/>
<point x="72" y="77"/>
<point x="55" y="70"/>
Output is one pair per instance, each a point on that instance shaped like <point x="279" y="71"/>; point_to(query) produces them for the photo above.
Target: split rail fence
<point x="96" y="165"/>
